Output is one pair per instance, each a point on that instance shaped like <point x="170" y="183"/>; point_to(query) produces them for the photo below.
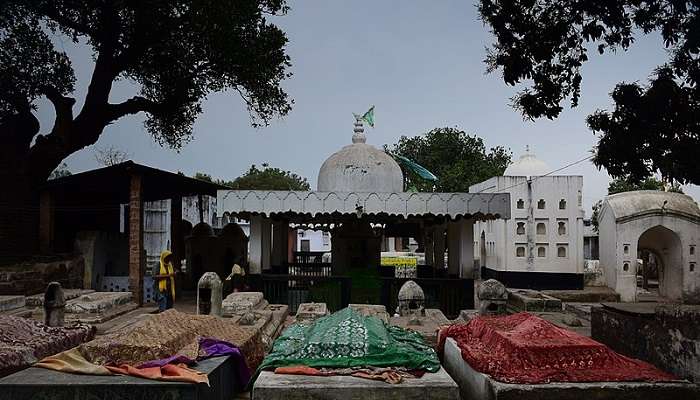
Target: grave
<point x="532" y="300"/>
<point x="493" y="297"/>
<point x="476" y="385"/>
<point x="209" y="290"/>
<point x="308" y="312"/>
<point x="37" y="300"/>
<point x="54" y="305"/>
<point x="373" y="310"/>
<point x="238" y="303"/>
<point x="9" y="303"/>
<point x="40" y="383"/>
<point x="428" y="325"/>
<point x="271" y="386"/>
<point x="96" y="307"/>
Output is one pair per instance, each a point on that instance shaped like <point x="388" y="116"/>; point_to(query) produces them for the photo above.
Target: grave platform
<point x="532" y="300"/>
<point x="11" y="302"/>
<point x="40" y="383"/>
<point x="476" y="385"/>
<point x="271" y="386"/>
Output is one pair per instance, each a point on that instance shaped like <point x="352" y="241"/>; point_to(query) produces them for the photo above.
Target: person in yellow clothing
<point x="165" y="294"/>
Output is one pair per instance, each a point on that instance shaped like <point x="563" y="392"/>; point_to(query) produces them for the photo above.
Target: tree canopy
<point x="654" y="127"/>
<point x="177" y="52"/>
<point x="456" y="158"/>
<point x="267" y="178"/>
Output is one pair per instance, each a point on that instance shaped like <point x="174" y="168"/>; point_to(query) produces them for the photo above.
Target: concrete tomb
<point x="428" y="324"/>
<point x="209" y="293"/>
<point x="271" y="386"/>
<point x="11" y="302"/>
<point x="532" y="300"/>
<point x="54" y="305"/>
<point x="40" y="383"/>
<point x="372" y="310"/>
<point x="411" y="302"/>
<point x="493" y="297"/>
<point x="476" y="385"/>
<point x="239" y="303"/>
<point x="308" y="312"/>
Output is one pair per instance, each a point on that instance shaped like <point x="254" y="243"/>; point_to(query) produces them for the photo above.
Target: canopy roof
<point x="646" y="202"/>
<point x="334" y="204"/>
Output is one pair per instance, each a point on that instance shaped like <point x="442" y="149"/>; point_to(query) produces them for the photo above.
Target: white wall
<point x="502" y="238"/>
<point x="318" y="240"/>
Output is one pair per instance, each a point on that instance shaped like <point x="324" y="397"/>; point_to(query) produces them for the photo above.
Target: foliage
<point x="177" y="52"/>
<point x="269" y="178"/>
<point x="652" y="128"/>
<point x="203" y="177"/>
<point x="619" y="185"/>
<point x="60" y="171"/>
<point x="109" y="156"/>
<point x="457" y="159"/>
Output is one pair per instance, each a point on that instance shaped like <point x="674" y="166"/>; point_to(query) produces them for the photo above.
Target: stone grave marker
<point x="209" y="293"/>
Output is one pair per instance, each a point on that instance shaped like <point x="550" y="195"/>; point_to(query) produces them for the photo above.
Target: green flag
<point x="369" y="117"/>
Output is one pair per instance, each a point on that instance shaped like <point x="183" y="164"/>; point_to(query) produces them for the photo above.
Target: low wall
<point x="31" y="277"/>
<point x="669" y="338"/>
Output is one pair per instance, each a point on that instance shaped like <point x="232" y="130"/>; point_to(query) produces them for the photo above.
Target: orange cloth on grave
<point x="168" y="372"/>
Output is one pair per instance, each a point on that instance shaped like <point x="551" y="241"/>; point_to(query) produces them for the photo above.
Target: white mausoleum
<point x="541" y="245"/>
<point x="666" y="225"/>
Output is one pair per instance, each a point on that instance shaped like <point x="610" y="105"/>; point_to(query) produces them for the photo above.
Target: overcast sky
<point x="419" y="62"/>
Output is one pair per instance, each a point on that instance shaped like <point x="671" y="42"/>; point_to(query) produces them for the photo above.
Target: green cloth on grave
<point x="349" y="339"/>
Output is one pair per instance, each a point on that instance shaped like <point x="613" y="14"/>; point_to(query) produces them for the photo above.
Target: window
<point x="561" y="228"/>
<point x="692" y="250"/>
<point x="626" y="267"/>
<point x="561" y="251"/>
<point x="521" y="204"/>
<point x="520" y="251"/>
<point x="692" y="267"/>
<point x="541" y="251"/>
<point x="326" y="238"/>
<point x="541" y="228"/>
<point x="626" y="249"/>
<point x="562" y="204"/>
<point x="541" y="204"/>
<point x="520" y="230"/>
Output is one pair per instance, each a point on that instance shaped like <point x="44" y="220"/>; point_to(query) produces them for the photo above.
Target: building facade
<point x="541" y="245"/>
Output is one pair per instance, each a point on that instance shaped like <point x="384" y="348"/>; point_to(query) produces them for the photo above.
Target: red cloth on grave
<point x="524" y="348"/>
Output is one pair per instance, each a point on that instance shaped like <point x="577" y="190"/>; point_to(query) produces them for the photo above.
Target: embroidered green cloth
<point x="349" y="339"/>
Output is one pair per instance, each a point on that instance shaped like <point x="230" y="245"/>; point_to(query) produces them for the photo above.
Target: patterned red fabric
<point x="524" y="348"/>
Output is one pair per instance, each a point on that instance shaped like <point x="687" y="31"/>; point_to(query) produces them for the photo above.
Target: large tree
<point x="176" y="52"/>
<point x="652" y="128"/>
<point x="457" y="159"/>
<point x="268" y="178"/>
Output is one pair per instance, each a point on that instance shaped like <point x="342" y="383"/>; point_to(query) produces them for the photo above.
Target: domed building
<point x="360" y="167"/>
<point x="541" y="246"/>
<point x="360" y="199"/>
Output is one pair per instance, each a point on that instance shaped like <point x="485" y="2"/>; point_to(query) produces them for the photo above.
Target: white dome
<point x="360" y="167"/>
<point x="527" y="165"/>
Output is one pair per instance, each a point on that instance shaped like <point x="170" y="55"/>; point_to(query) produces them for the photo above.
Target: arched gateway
<point x="648" y="238"/>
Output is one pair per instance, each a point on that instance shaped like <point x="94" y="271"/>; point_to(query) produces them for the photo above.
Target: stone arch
<point x="665" y="244"/>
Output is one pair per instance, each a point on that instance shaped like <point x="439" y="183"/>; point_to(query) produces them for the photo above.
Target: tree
<point x="60" y="171"/>
<point x="457" y="159"/>
<point x="652" y="128"/>
<point x="177" y="52"/>
<point x="109" y="156"/>
<point x="269" y="178"/>
<point x="203" y="177"/>
<point x="619" y="185"/>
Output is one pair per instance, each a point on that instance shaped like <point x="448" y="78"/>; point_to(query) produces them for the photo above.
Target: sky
<point x="420" y="63"/>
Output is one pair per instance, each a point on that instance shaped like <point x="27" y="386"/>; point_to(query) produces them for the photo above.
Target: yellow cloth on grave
<point x="72" y="361"/>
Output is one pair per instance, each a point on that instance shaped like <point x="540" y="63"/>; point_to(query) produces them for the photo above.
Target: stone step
<point x="11" y="302"/>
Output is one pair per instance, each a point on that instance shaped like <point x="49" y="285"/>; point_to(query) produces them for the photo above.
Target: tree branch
<point x="64" y="110"/>
<point x="134" y="105"/>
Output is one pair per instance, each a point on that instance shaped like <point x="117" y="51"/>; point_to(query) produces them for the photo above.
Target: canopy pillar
<point x="280" y="242"/>
<point x="460" y="236"/>
<point x="260" y="241"/>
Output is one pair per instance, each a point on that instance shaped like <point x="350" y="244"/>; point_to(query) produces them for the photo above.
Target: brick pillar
<point x="136" y="260"/>
<point x="46" y="222"/>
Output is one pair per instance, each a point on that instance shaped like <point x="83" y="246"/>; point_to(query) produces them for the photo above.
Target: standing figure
<point x="165" y="295"/>
<point x="237" y="278"/>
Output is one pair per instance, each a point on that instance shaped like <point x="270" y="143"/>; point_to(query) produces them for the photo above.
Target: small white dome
<point x="360" y="167"/>
<point x="527" y="165"/>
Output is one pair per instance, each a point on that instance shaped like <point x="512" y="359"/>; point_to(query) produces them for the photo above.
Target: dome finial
<point x="527" y="149"/>
<point x="359" y="130"/>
